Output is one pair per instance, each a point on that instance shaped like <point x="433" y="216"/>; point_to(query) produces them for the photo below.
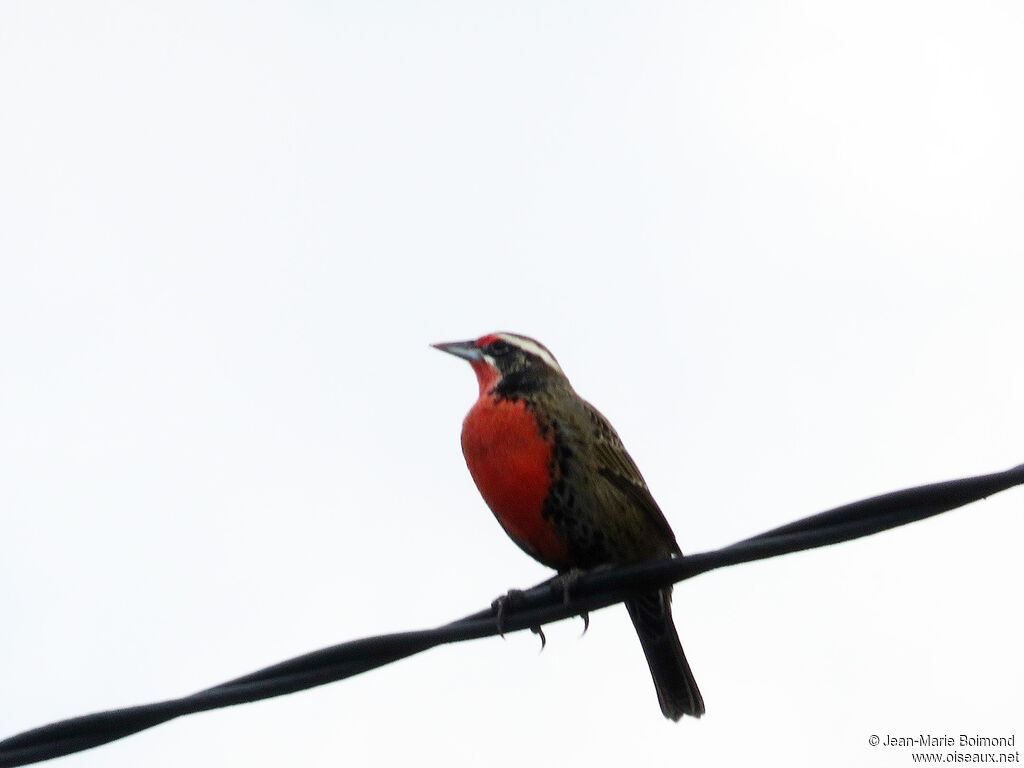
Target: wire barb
<point x="533" y="608"/>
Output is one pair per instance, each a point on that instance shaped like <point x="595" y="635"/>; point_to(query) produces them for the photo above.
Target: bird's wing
<point x="616" y="466"/>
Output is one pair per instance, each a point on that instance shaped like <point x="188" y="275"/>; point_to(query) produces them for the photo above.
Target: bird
<point x="555" y="474"/>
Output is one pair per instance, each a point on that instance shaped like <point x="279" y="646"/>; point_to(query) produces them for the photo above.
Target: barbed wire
<point x="532" y="608"/>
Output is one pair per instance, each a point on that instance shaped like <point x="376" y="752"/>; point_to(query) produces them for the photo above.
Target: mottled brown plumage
<point x="558" y="479"/>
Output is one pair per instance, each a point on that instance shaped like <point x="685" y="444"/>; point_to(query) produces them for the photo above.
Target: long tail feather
<point x="677" y="690"/>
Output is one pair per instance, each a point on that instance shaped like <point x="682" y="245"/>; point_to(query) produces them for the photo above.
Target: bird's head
<point x="507" y="363"/>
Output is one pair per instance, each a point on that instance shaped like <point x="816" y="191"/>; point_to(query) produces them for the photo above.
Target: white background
<point x="778" y="244"/>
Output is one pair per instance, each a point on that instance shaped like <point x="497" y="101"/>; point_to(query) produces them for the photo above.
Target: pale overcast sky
<point x="779" y="245"/>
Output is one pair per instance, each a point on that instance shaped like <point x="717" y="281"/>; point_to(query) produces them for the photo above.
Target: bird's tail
<point x="677" y="690"/>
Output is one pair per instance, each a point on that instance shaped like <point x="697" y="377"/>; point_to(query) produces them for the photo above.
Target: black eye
<point x="499" y="347"/>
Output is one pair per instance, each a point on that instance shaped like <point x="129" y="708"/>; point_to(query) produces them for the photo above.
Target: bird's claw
<point x="563" y="581"/>
<point x="567" y="583"/>
<point x="538" y="630"/>
<point x="502" y="605"/>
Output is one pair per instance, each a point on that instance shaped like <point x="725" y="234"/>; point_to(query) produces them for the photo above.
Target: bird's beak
<point x="468" y="350"/>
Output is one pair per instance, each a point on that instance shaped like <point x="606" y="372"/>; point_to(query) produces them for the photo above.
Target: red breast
<point x="510" y="459"/>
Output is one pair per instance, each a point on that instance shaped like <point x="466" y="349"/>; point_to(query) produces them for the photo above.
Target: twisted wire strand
<point x="541" y="604"/>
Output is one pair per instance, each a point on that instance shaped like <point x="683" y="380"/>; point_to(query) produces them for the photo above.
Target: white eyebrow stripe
<point x="534" y="348"/>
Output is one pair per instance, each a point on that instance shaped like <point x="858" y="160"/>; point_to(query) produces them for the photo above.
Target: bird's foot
<point x="503" y="605"/>
<point x="566" y="582"/>
<point x="506" y="603"/>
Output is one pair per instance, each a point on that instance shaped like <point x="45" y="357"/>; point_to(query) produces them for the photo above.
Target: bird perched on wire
<point x="560" y="482"/>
